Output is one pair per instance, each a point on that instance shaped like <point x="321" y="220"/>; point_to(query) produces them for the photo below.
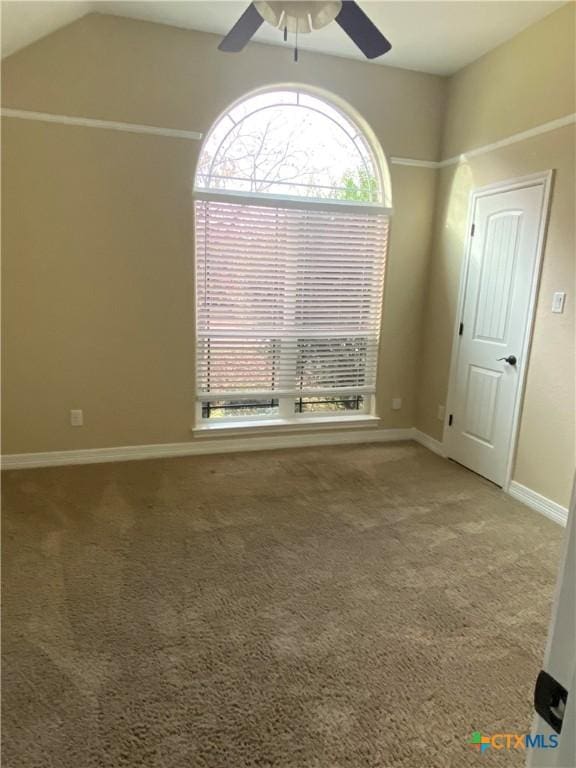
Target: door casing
<point x="544" y="180"/>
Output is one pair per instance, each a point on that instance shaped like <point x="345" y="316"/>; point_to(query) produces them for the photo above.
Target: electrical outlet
<point x="441" y="415"/>
<point x="77" y="418"/>
<point x="396" y="403"/>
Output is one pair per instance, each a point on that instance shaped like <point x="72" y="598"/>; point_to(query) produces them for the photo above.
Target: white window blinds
<point x="288" y="301"/>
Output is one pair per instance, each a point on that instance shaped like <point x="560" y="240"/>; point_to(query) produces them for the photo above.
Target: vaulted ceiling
<point x="434" y="36"/>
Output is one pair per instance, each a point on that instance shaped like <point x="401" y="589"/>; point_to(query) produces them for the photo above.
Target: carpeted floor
<point x="344" y="607"/>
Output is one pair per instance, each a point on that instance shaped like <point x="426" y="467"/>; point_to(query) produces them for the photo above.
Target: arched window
<point x="291" y="233"/>
<point x="290" y="144"/>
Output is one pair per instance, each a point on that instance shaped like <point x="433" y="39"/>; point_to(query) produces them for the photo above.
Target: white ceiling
<point x="428" y="35"/>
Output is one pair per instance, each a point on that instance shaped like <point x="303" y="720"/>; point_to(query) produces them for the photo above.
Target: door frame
<point x="544" y="180"/>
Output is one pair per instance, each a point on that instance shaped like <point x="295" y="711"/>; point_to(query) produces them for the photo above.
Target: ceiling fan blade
<point x="241" y="33"/>
<point x="363" y="32"/>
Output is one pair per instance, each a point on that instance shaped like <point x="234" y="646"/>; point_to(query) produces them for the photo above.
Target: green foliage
<point x="359" y="186"/>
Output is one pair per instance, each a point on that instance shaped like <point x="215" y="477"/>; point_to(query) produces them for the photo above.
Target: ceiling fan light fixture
<point x="298" y="15"/>
<point x="305" y="16"/>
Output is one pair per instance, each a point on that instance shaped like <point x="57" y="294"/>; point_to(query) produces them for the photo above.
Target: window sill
<point x="286" y="425"/>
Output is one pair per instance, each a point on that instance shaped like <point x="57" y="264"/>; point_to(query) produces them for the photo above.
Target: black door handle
<point x="550" y="700"/>
<point x="511" y="359"/>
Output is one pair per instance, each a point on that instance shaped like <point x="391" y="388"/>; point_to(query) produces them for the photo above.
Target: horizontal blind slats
<point x="288" y="300"/>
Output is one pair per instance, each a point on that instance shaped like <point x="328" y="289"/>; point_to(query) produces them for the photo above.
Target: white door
<point x="560" y="664"/>
<point x="503" y="256"/>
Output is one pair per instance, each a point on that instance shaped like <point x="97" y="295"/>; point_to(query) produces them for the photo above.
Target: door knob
<point x="511" y="359"/>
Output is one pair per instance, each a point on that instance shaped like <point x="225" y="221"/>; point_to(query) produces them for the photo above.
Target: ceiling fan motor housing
<point x="298" y="16"/>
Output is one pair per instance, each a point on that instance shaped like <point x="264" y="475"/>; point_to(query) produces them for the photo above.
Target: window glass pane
<point x="288" y="144"/>
<point x="218" y="409"/>
<point x="326" y="403"/>
<point x="313" y="102"/>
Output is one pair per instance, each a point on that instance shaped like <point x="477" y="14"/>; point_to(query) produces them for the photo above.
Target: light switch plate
<point x="396" y="403"/>
<point x="558" y="300"/>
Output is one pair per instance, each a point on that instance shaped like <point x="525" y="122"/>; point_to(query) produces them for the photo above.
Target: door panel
<point x="498" y="284"/>
<point x="498" y="260"/>
<point x="480" y="404"/>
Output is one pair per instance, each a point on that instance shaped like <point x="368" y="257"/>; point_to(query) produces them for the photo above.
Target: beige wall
<point x="98" y="232"/>
<point x="502" y="93"/>
<point x="98" y="238"/>
<point x="138" y="72"/>
<point x="520" y="85"/>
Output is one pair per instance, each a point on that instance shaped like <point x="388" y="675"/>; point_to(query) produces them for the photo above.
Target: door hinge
<point x="450" y="419"/>
<point x="461" y="329"/>
<point x="473" y="230"/>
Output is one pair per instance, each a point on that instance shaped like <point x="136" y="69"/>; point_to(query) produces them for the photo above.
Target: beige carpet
<point x="336" y="607"/>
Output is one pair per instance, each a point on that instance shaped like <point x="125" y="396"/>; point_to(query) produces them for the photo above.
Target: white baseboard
<point x="536" y="501"/>
<point x="429" y="442"/>
<point x="540" y="503"/>
<point x="204" y="446"/>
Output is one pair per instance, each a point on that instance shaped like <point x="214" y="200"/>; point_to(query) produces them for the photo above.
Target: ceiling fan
<point x="303" y="16"/>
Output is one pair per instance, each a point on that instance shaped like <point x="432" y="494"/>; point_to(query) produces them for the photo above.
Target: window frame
<point x="286" y="412"/>
<point x="287" y="415"/>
